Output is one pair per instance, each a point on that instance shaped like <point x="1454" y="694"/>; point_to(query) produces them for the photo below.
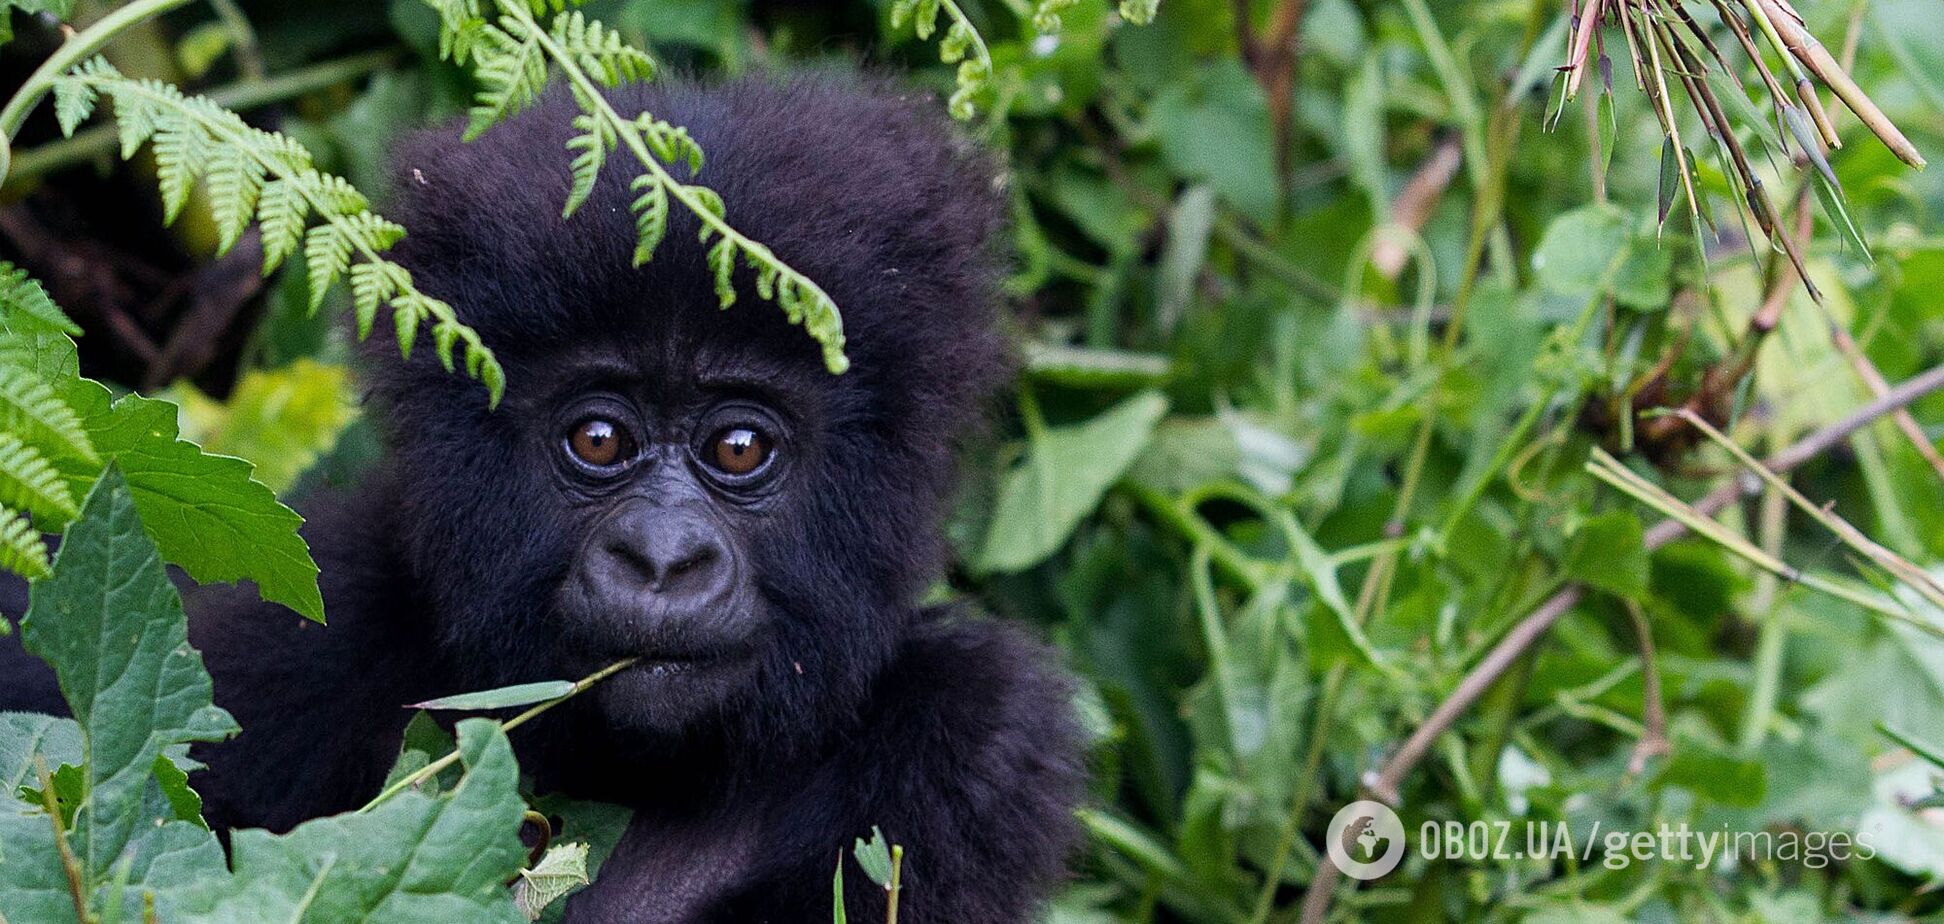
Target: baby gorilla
<point x="689" y="486"/>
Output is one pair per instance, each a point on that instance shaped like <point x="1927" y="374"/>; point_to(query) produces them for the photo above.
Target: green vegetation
<point x="1516" y="413"/>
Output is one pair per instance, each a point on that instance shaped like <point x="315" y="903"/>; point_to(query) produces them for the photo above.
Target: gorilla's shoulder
<point x="986" y="692"/>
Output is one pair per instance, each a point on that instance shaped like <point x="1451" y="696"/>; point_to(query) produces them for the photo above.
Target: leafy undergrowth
<point x="1394" y="381"/>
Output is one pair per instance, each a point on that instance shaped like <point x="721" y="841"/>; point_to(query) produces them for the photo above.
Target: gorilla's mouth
<point x="680" y="664"/>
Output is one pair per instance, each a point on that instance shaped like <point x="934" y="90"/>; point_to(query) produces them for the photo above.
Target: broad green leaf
<point x="1595" y="249"/>
<point x="524" y="694"/>
<point x="413" y="858"/>
<point x="204" y="511"/>
<point x="1607" y="553"/>
<point x="1061" y="480"/>
<point x="24" y="734"/>
<point x="1730" y="781"/>
<point x="1189" y="226"/>
<point x="283" y="419"/>
<point x="1214" y="126"/>
<point x="425" y="741"/>
<point x="111" y="624"/>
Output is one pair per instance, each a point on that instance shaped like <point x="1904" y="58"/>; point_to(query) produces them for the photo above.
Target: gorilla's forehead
<point x="677" y="359"/>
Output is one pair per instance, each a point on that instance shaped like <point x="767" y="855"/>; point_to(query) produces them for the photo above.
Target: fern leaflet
<point x="28" y="481"/>
<point x="21" y="549"/>
<point x="31" y="410"/>
<point x="249" y="172"/>
<point x="591" y="56"/>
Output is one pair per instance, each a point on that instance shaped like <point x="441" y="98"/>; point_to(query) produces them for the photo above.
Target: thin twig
<point x="1383" y="783"/>
<point x="435" y="767"/>
<point x="1653" y="712"/>
<point x="70" y="864"/>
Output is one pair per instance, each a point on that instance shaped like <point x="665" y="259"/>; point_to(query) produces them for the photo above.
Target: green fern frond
<point x="30" y="482"/>
<point x="235" y="180"/>
<point x="327" y="252"/>
<point x="511" y="73"/>
<point x="73" y="103"/>
<point x="1046" y="16"/>
<point x="251" y="172"/>
<point x="21" y="548"/>
<point x="722" y="261"/>
<point x="651" y="216"/>
<point x="31" y="410"/>
<point x="590" y="56"/>
<point x="22" y="296"/>
<point x="281" y="213"/>
<point x="962" y="45"/>
<point x="179" y="147"/>
<point x="596" y="138"/>
<point x="671" y="143"/>
<point x="600" y="51"/>
<point x="372" y="285"/>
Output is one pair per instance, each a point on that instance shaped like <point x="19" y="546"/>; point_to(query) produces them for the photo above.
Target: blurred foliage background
<point x="1325" y="307"/>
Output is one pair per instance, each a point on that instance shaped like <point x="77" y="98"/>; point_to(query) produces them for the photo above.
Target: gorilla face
<point x="666" y="500"/>
<point x="667" y="480"/>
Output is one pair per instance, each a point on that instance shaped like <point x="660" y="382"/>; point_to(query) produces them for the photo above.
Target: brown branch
<point x="1383" y="784"/>
<point x="1274" y="64"/>
<point x="1415" y="203"/>
<point x="1653" y="712"/>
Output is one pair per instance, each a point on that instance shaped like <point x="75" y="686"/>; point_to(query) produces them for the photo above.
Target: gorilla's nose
<point x="668" y="555"/>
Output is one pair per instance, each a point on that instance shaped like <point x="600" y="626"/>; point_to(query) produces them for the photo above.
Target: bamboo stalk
<point x="1818" y="60"/>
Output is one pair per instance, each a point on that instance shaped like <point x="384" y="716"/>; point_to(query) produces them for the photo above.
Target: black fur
<point x="952" y="733"/>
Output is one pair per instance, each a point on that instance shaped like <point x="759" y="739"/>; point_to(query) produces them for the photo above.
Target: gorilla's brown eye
<point x="596" y="441"/>
<point x="738" y="451"/>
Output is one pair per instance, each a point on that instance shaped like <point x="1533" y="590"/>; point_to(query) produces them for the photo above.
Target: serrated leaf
<point x="204" y="511"/>
<point x="284" y="418"/>
<point x="1062" y="478"/>
<point x="874" y="856"/>
<point x="511" y="73"/>
<point x="23" y="735"/>
<point x="22" y="297"/>
<point x="560" y="871"/>
<point x="173" y="783"/>
<point x="372" y="284"/>
<point x="111" y="625"/>
<point x="412" y="858"/>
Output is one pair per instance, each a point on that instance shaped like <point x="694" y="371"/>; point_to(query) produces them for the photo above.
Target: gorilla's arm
<point x="970" y="759"/>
